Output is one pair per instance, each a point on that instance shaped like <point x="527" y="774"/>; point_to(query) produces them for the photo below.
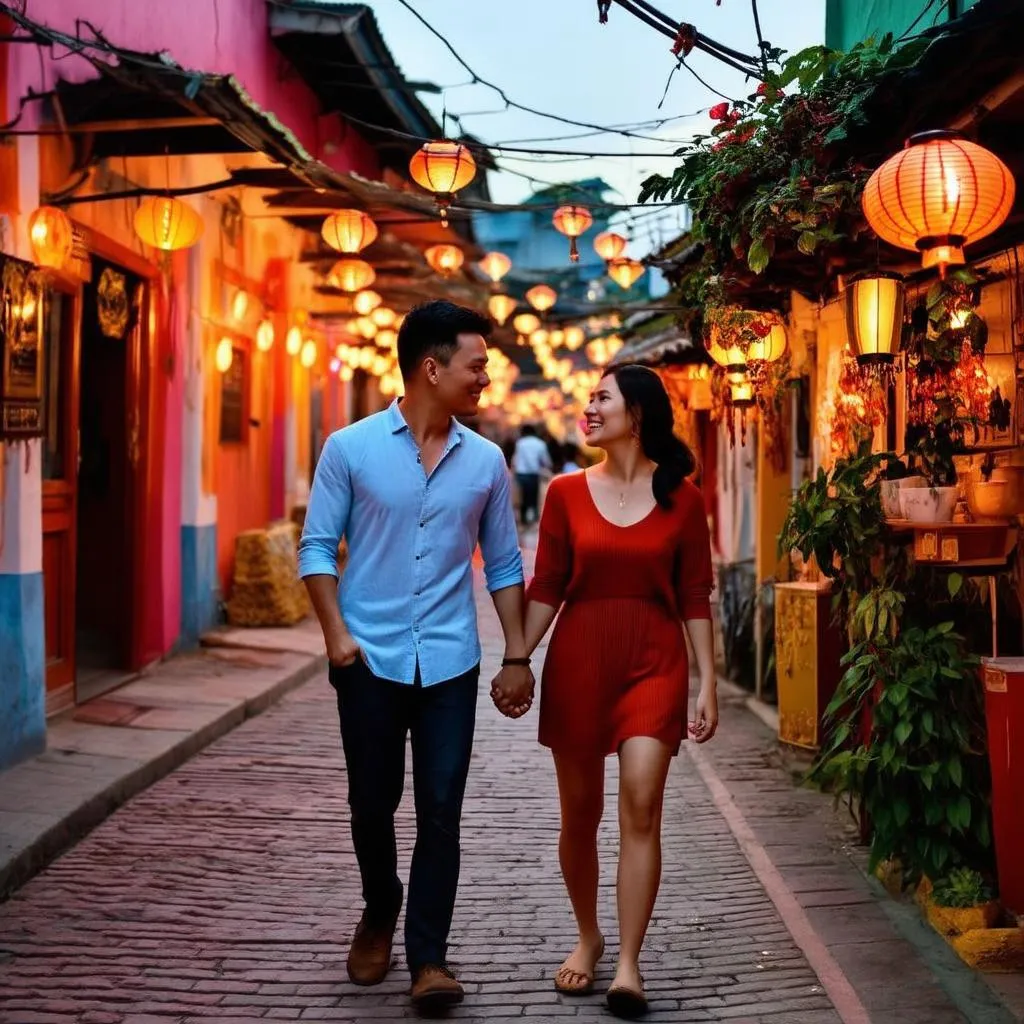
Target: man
<point x="530" y="457"/>
<point x="413" y="491"/>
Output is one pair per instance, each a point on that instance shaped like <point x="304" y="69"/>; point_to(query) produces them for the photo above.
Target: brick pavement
<point x="228" y="891"/>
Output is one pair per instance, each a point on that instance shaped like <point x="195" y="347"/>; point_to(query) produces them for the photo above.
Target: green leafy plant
<point x="776" y="175"/>
<point x="962" y="887"/>
<point x="921" y="770"/>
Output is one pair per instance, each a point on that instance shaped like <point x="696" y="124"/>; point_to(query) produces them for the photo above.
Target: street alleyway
<point x="229" y="890"/>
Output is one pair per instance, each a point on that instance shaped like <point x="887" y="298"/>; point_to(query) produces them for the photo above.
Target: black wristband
<point x="514" y="661"/>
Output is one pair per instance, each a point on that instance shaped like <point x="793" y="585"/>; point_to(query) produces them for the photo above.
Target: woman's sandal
<point x="577" y="983"/>
<point x="626" y="1003"/>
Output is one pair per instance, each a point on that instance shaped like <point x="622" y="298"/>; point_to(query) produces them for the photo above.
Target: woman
<point x="625" y="546"/>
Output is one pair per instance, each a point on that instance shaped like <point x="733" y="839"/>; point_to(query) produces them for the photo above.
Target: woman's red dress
<point x="616" y="666"/>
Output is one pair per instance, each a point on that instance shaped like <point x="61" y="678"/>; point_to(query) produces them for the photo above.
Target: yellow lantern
<point x="346" y="373"/>
<point x="307" y="356"/>
<point x="539" y="337"/>
<point x="731" y="356"/>
<point x="741" y="392"/>
<point x="387" y="338"/>
<point x="541" y="297"/>
<point x="625" y="272"/>
<point x="574" y="337"/>
<point x="167" y="223"/>
<point x="366" y="302"/>
<point x="351" y="275"/>
<point x="239" y="306"/>
<point x="938" y="195"/>
<point x="443" y="168"/>
<point x="265" y="336"/>
<point x="526" y="323"/>
<point x="572" y="221"/>
<point x="500" y="307"/>
<point x="874" y="317"/>
<point x="293" y="341"/>
<point x="224" y="355"/>
<point x="365" y="328"/>
<point x="348" y="231"/>
<point x="557" y="338"/>
<point x="495" y="265"/>
<point x="609" y="245"/>
<point x="383" y="317"/>
<point x="770" y="348"/>
<point x="51" y="236"/>
<point x="445" y="259"/>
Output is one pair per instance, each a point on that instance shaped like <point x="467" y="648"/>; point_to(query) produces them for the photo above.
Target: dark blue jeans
<point x="376" y="715"/>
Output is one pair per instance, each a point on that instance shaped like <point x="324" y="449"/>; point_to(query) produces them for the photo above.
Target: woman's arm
<point x="553" y="568"/>
<point x="694" y="583"/>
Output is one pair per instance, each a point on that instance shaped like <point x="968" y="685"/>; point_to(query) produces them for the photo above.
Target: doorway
<point x="108" y="453"/>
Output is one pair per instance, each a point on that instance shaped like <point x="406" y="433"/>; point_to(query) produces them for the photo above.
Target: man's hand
<point x="512" y="690"/>
<point x="705" y="722"/>
<point x="342" y="649"/>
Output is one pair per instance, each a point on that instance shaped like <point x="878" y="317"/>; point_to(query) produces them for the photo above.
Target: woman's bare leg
<point x="581" y="798"/>
<point x="643" y="768"/>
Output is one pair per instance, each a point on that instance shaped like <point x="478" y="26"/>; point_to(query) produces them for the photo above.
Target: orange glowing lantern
<point x="348" y="231"/>
<point x="293" y="341"/>
<point x="224" y="355"/>
<point x="51" y="236"/>
<point x="609" y="246"/>
<point x="445" y="259"/>
<point x="351" y="275"/>
<point x="501" y="307"/>
<point x="307" y="355"/>
<point x="265" y="336"/>
<point x="938" y="195"/>
<point x="495" y="265"/>
<point x="741" y="392"/>
<point x="167" y="223"/>
<point x="382" y="316"/>
<point x="526" y="323"/>
<point x="728" y="354"/>
<point x="443" y="168"/>
<point x="574" y="337"/>
<point x="625" y="272"/>
<point x="572" y="221"/>
<point x="366" y="302"/>
<point x="541" y="297"/>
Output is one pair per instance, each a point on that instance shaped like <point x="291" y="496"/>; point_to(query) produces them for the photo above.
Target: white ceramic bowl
<point x="928" y="504"/>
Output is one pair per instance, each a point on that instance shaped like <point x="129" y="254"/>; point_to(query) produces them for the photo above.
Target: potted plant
<point x="933" y="446"/>
<point x="960" y="902"/>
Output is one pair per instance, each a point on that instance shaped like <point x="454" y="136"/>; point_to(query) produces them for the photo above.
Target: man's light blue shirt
<point x="407" y="590"/>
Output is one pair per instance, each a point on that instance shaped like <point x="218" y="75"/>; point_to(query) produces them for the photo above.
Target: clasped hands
<point x="512" y="690"/>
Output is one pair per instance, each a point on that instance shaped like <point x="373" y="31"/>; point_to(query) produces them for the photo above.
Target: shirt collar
<point x="396" y="421"/>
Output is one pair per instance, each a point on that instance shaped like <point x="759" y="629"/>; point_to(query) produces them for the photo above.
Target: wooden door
<point x="60" y="475"/>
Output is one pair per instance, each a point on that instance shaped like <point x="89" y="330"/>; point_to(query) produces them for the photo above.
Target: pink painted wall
<point x="177" y="326"/>
<point x="222" y="36"/>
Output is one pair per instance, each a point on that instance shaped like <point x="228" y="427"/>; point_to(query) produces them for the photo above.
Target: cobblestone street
<point x="229" y="890"/>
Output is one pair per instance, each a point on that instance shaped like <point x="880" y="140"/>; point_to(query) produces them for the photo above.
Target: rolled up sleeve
<point x="327" y="513"/>
<point x="499" y="540"/>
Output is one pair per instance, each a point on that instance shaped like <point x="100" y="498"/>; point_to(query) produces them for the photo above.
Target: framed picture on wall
<point x="1002" y="427"/>
<point x="22" y="350"/>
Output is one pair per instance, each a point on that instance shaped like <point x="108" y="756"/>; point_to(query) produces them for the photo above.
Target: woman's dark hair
<point x="648" y="404"/>
<point x="433" y="329"/>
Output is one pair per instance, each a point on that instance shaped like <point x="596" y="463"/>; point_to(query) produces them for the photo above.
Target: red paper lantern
<point x="937" y="195"/>
<point x="445" y="259"/>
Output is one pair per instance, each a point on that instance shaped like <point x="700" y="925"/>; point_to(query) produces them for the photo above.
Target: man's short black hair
<point x="433" y="329"/>
<point x="528" y="430"/>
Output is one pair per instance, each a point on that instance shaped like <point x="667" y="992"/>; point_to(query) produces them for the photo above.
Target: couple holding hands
<point x="623" y="560"/>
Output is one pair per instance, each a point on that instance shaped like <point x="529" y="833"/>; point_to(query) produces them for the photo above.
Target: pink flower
<point x="719" y="112"/>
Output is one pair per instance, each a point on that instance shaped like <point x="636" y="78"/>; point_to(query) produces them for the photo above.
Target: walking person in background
<point x="624" y="551"/>
<point x="530" y="459"/>
<point x="413" y="491"/>
<point x="570" y="459"/>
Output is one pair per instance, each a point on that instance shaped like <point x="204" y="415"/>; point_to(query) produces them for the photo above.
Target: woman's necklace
<point x="622" y="499"/>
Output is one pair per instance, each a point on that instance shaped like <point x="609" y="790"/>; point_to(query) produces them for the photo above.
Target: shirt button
<point x="418" y="558"/>
<point x="422" y="525"/>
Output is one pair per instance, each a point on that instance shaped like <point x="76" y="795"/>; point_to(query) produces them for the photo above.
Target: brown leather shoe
<point x="369" y="958"/>
<point x="435" y="988"/>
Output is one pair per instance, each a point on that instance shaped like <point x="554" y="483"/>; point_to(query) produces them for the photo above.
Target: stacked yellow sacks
<point x="267" y="590"/>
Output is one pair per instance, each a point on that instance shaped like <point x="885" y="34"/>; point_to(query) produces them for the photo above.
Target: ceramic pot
<point x="928" y="504"/>
<point x="990" y="501"/>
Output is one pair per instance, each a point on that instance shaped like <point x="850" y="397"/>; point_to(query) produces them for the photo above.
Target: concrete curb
<point x="76" y="824"/>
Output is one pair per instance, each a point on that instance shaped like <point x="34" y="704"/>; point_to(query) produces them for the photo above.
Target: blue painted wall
<point x="200" y="588"/>
<point x="22" y="667"/>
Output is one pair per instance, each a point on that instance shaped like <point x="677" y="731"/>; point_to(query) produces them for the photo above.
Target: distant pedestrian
<point x="530" y="459"/>
<point x="413" y="492"/>
<point x="570" y="459"/>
